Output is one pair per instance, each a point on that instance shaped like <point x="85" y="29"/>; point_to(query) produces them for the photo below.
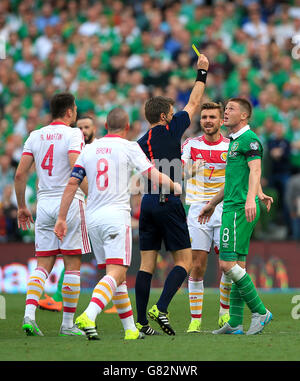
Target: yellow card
<point x="196" y="50"/>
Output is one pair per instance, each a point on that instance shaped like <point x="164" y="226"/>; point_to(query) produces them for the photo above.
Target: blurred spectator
<point x="10" y="212"/>
<point x="294" y="137"/>
<point x="293" y="201"/>
<point x="92" y="25"/>
<point x="280" y="168"/>
<point x="255" y="27"/>
<point x="47" y="17"/>
<point x="7" y="173"/>
<point x="119" y="53"/>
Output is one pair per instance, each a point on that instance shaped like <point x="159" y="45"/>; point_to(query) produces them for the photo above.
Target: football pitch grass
<point x="280" y="340"/>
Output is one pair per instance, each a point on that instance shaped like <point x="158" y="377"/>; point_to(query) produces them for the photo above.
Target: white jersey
<point x="211" y="178"/>
<point x="50" y="147"/>
<point x="108" y="164"/>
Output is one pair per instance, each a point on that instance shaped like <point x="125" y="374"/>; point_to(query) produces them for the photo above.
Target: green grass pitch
<point x="280" y="340"/>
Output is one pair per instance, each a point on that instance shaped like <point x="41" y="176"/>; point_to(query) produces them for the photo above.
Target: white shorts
<point x="204" y="235"/>
<point x="111" y="241"/>
<point x="76" y="240"/>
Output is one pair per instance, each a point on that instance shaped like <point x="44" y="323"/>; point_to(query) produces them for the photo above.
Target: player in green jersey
<point x="241" y="195"/>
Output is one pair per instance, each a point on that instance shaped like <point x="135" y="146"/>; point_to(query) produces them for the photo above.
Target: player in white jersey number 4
<point x="204" y="159"/>
<point x="107" y="164"/>
<point x="53" y="149"/>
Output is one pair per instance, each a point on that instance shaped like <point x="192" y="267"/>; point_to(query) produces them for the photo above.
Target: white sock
<point x="236" y="273"/>
<point x="196" y="291"/>
<point x="122" y="302"/>
<point x="225" y="287"/>
<point x="35" y="288"/>
<point x="102" y="295"/>
<point x="70" y="294"/>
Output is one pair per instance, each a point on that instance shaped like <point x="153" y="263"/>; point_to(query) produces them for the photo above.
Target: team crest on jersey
<point x="234" y="146"/>
<point x="254" y="145"/>
<point x="223" y="156"/>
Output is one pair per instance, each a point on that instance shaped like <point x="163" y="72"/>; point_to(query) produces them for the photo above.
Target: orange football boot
<point x="50" y="304"/>
<point x="112" y="310"/>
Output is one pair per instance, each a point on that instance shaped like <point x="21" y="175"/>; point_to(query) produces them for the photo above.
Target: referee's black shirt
<point x="162" y="146"/>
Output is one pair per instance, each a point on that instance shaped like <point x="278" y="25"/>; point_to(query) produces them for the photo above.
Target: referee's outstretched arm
<point x="198" y="89"/>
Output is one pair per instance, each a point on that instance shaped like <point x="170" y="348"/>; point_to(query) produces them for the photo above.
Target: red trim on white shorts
<point x="115" y="261"/>
<point x="127" y="246"/>
<point x="85" y="238"/>
<point x="71" y="252"/>
<point x="47" y="253"/>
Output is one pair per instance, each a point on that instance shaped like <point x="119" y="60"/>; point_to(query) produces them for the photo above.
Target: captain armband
<point x="78" y="173"/>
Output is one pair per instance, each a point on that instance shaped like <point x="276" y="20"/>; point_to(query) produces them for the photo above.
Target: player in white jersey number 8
<point x="107" y="164"/>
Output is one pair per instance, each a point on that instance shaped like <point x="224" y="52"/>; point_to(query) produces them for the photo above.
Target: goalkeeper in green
<point x="241" y="212"/>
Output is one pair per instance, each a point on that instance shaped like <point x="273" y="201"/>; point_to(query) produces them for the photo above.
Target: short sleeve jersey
<point x="210" y="179"/>
<point x="50" y="147"/>
<point x="162" y="146"/>
<point x="108" y="164"/>
<point x="244" y="146"/>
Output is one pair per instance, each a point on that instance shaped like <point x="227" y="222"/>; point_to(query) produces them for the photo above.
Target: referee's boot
<point x="162" y="318"/>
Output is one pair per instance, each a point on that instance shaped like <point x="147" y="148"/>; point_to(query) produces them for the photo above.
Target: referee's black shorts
<point x="166" y="222"/>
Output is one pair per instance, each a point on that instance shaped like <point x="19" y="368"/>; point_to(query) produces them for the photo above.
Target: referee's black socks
<point x="142" y="292"/>
<point x="173" y="282"/>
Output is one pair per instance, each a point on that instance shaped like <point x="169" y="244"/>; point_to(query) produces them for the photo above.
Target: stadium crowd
<point x="119" y="53"/>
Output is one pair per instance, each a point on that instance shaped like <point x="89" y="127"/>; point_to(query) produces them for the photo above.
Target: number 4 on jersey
<point x="47" y="162"/>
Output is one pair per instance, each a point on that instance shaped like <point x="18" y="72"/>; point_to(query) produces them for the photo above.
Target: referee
<point x="162" y="216"/>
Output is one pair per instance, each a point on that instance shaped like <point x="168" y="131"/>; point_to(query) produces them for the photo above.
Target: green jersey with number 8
<point x="235" y="231"/>
<point x="244" y="146"/>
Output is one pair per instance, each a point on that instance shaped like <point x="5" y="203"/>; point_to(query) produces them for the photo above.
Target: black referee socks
<point x="173" y="282"/>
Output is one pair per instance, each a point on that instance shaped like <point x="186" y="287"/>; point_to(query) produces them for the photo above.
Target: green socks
<point x="249" y="294"/>
<point x="236" y="308"/>
<point x="58" y="295"/>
